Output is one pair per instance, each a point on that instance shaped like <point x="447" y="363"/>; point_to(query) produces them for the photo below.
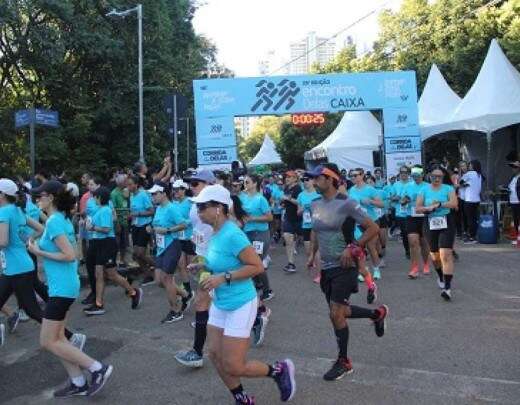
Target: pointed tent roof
<point x="437" y="104"/>
<point x="356" y="130"/>
<point x="493" y="102"/>
<point x="267" y="155"/>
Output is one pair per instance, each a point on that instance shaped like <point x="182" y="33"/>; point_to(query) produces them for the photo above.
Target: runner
<point x="401" y="210"/>
<point x="291" y="223"/>
<point x="104" y="248"/>
<point x="167" y="223"/>
<point x="338" y="272"/>
<point x="276" y="186"/>
<point x="201" y="234"/>
<point x="119" y="197"/>
<point x="415" y="224"/>
<point x="233" y="263"/>
<point x="141" y="215"/>
<point x="438" y="200"/>
<point x="305" y="199"/>
<point x="57" y="248"/>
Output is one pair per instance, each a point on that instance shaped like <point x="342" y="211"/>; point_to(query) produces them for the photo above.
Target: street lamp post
<point x="139" y="10"/>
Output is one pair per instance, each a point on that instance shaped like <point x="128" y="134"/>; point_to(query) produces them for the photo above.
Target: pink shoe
<point x="426" y="270"/>
<point x="317" y="279"/>
<point x="414" y="273"/>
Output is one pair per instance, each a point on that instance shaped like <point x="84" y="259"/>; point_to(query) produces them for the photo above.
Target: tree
<point x="266" y="125"/>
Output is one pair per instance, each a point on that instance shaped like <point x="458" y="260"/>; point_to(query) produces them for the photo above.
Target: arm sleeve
<point x="105" y="219"/>
<point x="53" y="228"/>
<point x="353" y="210"/>
<point x="238" y="241"/>
<point x="4" y="217"/>
<point x="264" y="206"/>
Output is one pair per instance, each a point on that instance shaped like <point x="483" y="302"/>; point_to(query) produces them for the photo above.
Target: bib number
<point x="160" y="241"/>
<point x="3" y="261"/>
<point x="259" y="247"/>
<point x="437" y="223"/>
<point x="88" y="222"/>
<point x="182" y="235"/>
<point x="198" y="238"/>
<point x="415" y="213"/>
<point x="307" y="218"/>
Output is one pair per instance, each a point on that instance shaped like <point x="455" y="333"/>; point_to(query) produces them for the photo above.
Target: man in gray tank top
<point x="333" y="221"/>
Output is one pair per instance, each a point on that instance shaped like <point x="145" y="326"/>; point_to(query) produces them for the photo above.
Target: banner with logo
<point x="211" y="156"/>
<point x="403" y="144"/>
<point x="395" y="160"/>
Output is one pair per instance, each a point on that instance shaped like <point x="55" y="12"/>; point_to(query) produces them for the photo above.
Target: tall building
<point x="310" y="51"/>
<point x="245" y="125"/>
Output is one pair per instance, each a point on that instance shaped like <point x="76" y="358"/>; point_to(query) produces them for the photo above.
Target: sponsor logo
<point x="274" y="96"/>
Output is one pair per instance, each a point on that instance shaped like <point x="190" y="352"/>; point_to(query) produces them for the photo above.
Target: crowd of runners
<point x="206" y="237"/>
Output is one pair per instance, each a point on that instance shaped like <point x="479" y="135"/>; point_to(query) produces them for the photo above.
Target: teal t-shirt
<point x="167" y="216"/>
<point x="305" y="199"/>
<point x="139" y="202"/>
<point x="224" y="249"/>
<point x="14" y="258"/>
<point x="255" y="206"/>
<point x="398" y="189"/>
<point x="360" y="194"/>
<point x="62" y="277"/>
<point x="442" y="195"/>
<point x="103" y="219"/>
<point x="412" y="190"/>
<point x="90" y="210"/>
<point x="184" y="207"/>
<point x="276" y="195"/>
<point x="33" y="212"/>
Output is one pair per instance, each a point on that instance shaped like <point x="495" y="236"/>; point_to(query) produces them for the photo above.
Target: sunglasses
<point x="307" y="179"/>
<point x="355" y="175"/>
<point x="203" y="206"/>
<point x="194" y="183"/>
<point x="435" y="176"/>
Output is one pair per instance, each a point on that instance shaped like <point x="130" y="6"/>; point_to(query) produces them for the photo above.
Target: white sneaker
<point x="78" y="340"/>
<point x="440" y="283"/>
<point x="446" y="294"/>
<point x="22" y="315"/>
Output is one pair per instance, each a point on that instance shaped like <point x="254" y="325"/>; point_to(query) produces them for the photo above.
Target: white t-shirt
<point x="472" y="191"/>
<point x="513" y="196"/>
<point x="201" y="232"/>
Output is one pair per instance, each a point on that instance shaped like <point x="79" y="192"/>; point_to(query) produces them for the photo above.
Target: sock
<point x="381" y="255"/>
<point x="360" y="312"/>
<point x="79" y="381"/>
<point x="439" y="273"/>
<point x="257" y="318"/>
<point x="369" y="280"/>
<point x="447" y="281"/>
<point x="96" y="366"/>
<point x="187" y="287"/>
<point x="238" y="393"/>
<point x="342" y="339"/>
<point x="261" y="309"/>
<point x="68" y="334"/>
<point x="201" y="323"/>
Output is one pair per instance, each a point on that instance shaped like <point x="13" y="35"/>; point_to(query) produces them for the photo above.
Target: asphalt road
<point x="462" y="352"/>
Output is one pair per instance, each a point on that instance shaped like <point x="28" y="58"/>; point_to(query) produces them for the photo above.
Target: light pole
<point x="139" y="10"/>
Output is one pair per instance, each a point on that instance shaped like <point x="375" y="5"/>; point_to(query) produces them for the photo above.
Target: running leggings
<point x="404" y="233"/>
<point x="22" y="285"/>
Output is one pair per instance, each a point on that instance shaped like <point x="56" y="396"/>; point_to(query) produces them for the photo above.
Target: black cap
<point x="49" y="187"/>
<point x="102" y="192"/>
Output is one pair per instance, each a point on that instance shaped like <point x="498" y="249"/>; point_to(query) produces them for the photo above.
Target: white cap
<point x="180" y="184"/>
<point x="156" y="188"/>
<point x="215" y="193"/>
<point x="73" y="188"/>
<point x="8" y="187"/>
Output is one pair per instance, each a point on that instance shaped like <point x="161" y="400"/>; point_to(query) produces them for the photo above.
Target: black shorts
<point x="277" y="216"/>
<point x="293" y="227"/>
<point x="104" y="251"/>
<point x="382" y="222"/>
<point x="415" y="225"/>
<point x="56" y="308"/>
<point x="258" y="282"/>
<point x="338" y="284"/>
<point x="443" y="238"/>
<point x="167" y="261"/>
<point x="188" y="247"/>
<point x="306" y="234"/>
<point x="140" y="237"/>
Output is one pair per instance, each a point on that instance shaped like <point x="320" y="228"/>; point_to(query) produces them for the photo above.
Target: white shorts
<point x="237" y="323"/>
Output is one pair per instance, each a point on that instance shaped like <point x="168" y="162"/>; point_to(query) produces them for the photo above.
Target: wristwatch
<point x="227" y="277"/>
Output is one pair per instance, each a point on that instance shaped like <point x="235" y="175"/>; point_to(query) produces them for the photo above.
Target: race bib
<point x="437" y="223"/>
<point x="379" y="212"/>
<point x="415" y="213"/>
<point x="307" y="218"/>
<point x="198" y="238"/>
<point x="3" y="261"/>
<point x="259" y="247"/>
<point x="182" y="234"/>
<point x="160" y="241"/>
<point x="88" y="222"/>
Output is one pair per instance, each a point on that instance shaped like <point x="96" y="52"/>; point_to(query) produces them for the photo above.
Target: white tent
<point x="351" y="144"/>
<point x="437" y="104"/>
<point x="267" y="155"/>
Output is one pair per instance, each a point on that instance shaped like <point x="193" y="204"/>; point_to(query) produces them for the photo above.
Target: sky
<point x="244" y="31"/>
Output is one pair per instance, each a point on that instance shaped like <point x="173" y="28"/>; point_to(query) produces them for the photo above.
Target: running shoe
<point x="446" y="294"/>
<point x="284" y="377"/>
<point x="148" y="281"/>
<point x="189" y="359"/>
<point x="245" y="400"/>
<point x="377" y="274"/>
<point x="440" y="283"/>
<point x="470" y="241"/>
<point x="2" y="334"/>
<point x="89" y="299"/>
<point x="71" y="390"/>
<point x="99" y="379"/>
<point x="340" y="369"/>
<point x="317" y="279"/>
<point x="426" y="270"/>
<point x="193" y="324"/>
<point x="290" y="268"/>
<point x="173" y="317"/>
<point x="22" y="315"/>
<point x="94" y="309"/>
<point x="137" y="298"/>
<point x="78" y="340"/>
<point x="360" y="278"/>
<point x="372" y="293"/>
<point x="187" y="301"/>
<point x="268" y="295"/>
<point x="380" y="321"/>
<point x="259" y="331"/>
<point x="12" y="322"/>
<point x="266" y="314"/>
<point x="414" y="273"/>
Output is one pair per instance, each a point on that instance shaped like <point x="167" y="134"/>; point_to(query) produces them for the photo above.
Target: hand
<point x="161" y="231"/>
<point x="246" y="219"/>
<point x="212" y="282"/>
<point x="33" y="247"/>
<point x="195" y="267"/>
<point x="346" y="259"/>
<point x="89" y="226"/>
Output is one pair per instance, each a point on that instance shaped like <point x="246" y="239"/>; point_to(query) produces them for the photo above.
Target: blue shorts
<point x="167" y="260"/>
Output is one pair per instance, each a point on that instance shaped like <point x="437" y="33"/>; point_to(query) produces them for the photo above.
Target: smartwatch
<point x="227" y="276"/>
